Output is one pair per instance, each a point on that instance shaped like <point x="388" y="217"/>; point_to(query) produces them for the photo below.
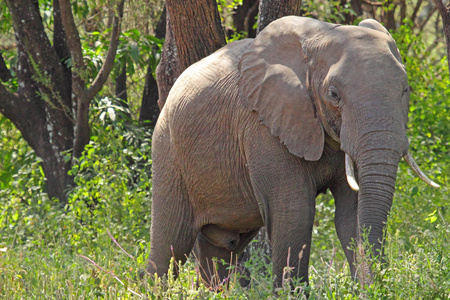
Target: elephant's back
<point x="204" y="101"/>
<point x="203" y="83"/>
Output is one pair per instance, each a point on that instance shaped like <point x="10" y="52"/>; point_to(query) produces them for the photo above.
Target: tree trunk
<point x="43" y="108"/>
<point x="269" y="11"/>
<point x="168" y="68"/>
<point x="149" y="106"/>
<point x="121" y="85"/>
<point x="445" y="14"/>
<point x="121" y="89"/>
<point x="244" y="17"/>
<point x="389" y="16"/>
<point x="193" y="31"/>
<point x="349" y="17"/>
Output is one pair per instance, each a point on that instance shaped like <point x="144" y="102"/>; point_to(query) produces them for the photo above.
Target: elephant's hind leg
<point x="215" y="258"/>
<point x="172" y="232"/>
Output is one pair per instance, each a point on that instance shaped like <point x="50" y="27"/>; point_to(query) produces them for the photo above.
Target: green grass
<point x="55" y="267"/>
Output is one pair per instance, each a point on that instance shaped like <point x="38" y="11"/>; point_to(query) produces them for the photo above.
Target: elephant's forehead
<point x="354" y="35"/>
<point x="366" y="44"/>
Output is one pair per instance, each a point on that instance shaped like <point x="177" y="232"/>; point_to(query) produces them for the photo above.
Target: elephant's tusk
<point x="350" y="172"/>
<point x="412" y="163"/>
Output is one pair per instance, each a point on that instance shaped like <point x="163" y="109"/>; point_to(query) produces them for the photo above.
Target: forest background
<point x="78" y="101"/>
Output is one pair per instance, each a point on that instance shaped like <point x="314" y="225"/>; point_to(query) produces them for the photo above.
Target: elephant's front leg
<point x="290" y="228"/>
<point x="285" y="189"/>
<point x="346" y="220"/>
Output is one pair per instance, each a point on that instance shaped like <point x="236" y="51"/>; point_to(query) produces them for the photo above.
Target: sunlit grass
<point x="419" y="269"/>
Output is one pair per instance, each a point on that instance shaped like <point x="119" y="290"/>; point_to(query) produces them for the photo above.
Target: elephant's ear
<point x="272" y="83"/>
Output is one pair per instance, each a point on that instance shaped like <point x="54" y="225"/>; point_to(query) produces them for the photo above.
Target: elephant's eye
<point x="407" y="90"/>
<point x="333" y="94"/>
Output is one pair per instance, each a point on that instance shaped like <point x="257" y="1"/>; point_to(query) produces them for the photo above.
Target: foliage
<point x="329" y="11"/>
<point x="136" y="51"/>
<point x="112" y="192"/>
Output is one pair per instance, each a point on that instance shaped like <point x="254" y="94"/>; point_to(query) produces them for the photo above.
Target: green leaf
<point x="134" y="52"/>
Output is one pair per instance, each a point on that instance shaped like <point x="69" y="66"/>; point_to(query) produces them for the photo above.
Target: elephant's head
<point x="307" y="79"/>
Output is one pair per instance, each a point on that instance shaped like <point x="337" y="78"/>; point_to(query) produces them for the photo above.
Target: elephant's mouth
<point x="351" y="179"/>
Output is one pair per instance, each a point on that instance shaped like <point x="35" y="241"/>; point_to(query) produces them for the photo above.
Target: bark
<point x="402" y="10"/>
<point x="445" y="14"/>
<point x="269" y="11"/>
<point x="59" y="35"/>
<point x="121" y="90"/>
<point x="149" y="106"/>
<point x="193" y="31"/>
<point x="197" y="29"/>
<point x="62" y="50"/>
<point x="168" y="68"/>
<point x="357" y="6"/>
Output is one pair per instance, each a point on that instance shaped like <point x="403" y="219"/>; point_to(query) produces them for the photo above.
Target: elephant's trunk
<point x="373" y="135"/>
<point x="377" y="172"/>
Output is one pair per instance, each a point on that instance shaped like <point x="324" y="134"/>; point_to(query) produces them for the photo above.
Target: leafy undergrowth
<point x="419" y="269"/>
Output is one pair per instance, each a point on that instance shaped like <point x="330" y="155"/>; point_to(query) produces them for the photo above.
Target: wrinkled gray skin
<point x="250" y="135"/>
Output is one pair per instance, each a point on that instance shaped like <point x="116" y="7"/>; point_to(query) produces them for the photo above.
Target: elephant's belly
<point x="237" y="216"/>
<point x="226" y="202"/>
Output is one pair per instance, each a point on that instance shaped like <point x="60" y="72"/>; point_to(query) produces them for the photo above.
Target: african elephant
<point x="251" y="134"/>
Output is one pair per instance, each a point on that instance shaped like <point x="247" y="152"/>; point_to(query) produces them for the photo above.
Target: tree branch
<point x="85" y="96"/>
<point x="24" y="114"/>
<point x="73" y="40"/>
<point x="402" y="10"/>
<point x="59" y="35"/>
<point x="248" y="22"/>
<point x="416" y="10"/>
<point x="422" y="26"/>
<point x="441" y="7"/>
<point x="445" y="14"/>
<point x="374" y="4"/>
<point x="108" y="64"/>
